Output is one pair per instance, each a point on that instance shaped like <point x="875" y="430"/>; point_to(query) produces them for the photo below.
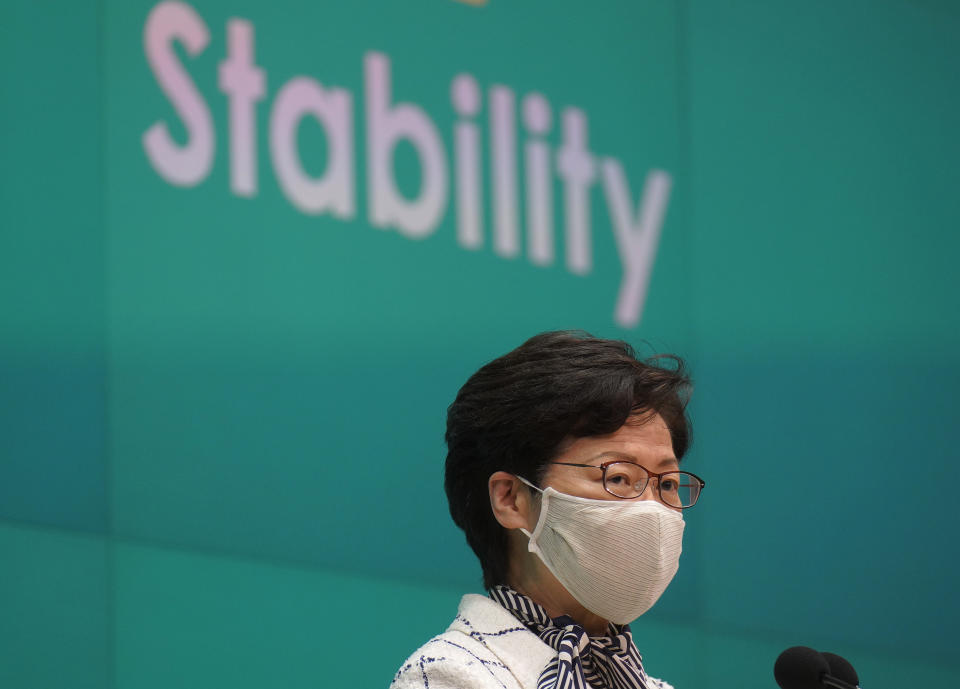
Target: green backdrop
<point x="222" y="407"/>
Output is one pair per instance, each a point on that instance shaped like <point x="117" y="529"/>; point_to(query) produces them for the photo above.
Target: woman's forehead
<point x="643" y="440"/>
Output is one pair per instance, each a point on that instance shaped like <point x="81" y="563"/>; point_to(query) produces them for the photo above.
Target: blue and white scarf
<point x="583" y="661"/>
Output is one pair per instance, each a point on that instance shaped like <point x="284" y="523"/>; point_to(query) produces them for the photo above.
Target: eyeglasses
<point x="628" y="480"/>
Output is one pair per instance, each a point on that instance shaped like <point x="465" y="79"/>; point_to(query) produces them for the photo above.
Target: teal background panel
<point x="195" y="620"/>
<point x="52" y="359"/>
<point x="795" y="548"/>
<point x="55" y="630"/>
<point x="824" y="161"/>
<point x="826" y="309"/>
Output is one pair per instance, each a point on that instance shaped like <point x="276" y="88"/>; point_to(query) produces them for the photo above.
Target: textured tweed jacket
<point x="485" y="647"/>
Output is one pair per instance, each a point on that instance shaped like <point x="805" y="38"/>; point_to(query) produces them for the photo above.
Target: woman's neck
<point x="535" y="581"/>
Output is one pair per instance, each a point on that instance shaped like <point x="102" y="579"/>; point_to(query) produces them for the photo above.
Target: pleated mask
<point x="615" y="557"/>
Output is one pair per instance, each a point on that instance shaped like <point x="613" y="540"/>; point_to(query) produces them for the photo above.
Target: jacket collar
<point x="522" y="651"/>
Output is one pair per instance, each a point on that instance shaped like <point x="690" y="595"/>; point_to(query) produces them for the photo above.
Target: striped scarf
<point x="583" y="662"/>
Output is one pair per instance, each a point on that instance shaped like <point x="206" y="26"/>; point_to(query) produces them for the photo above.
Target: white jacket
<point x="485" y="647"/>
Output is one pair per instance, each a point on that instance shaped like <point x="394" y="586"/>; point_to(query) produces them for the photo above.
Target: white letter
<point x="386" y="125"/>
<point x="333" y="109"/>
<point x="636" y="239"/>
<point x="576" y="166"/>
<point x="244" y="84"/>
<point x="188" y="165"/>
<point x="466" y="101"/>
<point x="503" y="145"/>
<point x="537" y="118"/>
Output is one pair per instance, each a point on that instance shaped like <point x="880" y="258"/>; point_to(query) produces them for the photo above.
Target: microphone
<point x="800" y="667"/>
<point x="841" y="669"/>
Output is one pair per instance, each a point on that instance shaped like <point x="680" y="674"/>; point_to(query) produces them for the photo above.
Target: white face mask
<point x="616" y="557"/>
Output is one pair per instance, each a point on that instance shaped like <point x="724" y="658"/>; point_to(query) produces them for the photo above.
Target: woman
<point x="562" y="470"/>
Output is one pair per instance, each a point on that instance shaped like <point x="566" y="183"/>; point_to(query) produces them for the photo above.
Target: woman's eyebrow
<point x="615" y="454"/>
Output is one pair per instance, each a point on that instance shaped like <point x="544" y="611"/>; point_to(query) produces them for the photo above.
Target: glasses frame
<point x="650" y="474"/>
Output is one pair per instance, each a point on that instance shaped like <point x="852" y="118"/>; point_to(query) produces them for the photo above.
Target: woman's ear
<point x="509" y="500"/>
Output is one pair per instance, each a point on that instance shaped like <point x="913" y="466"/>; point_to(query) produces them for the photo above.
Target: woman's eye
<point x="669" y="485"/>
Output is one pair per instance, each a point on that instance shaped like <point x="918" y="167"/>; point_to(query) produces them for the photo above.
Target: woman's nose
<point x="649" y="492"/>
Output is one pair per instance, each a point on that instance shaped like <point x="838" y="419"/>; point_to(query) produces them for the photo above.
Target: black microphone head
<point x="841" y="669"/>
<point x="800" y="667"/>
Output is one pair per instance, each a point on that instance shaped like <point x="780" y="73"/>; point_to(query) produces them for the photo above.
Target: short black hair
<point x="513" y="414"/>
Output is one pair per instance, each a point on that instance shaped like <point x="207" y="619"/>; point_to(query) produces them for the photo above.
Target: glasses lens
<point x="679" y="489"/>
<point x="626" y="479"/>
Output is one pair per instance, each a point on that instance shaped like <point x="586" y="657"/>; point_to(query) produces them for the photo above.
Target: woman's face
<point x="643" y="439"/>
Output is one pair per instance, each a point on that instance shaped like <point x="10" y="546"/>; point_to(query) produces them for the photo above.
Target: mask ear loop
<point x="522" y="479"/>
<point x="544" y="499"/>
